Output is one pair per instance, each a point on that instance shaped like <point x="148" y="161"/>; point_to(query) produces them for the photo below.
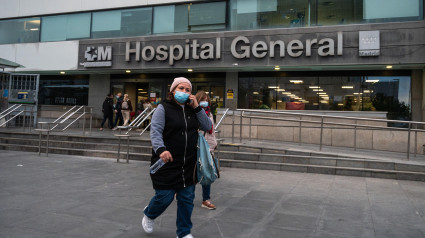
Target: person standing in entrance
<point x="126" y="108"/>
<point x="108" y="111"/>
<point x="174" y="137"/>
<point x="118" y="113"/>
<point x="204" y="102"/>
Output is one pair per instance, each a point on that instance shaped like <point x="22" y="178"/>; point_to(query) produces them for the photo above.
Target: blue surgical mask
<point x="203" y="104"/>
<point x="181" y="97"/>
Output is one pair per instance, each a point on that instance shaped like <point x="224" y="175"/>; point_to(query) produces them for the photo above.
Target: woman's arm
<point x="157" y="127"/>
<point x="204" y="122"/>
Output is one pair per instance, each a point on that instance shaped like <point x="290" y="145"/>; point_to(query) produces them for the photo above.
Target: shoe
<point x="101" y="129"/>
<point x="208" y="205"/>
<point x="114" y="129"/>
<point x="147" y="224"/>
<point x="188" y="236"/>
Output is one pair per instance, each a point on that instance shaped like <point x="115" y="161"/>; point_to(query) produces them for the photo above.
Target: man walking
<point x="118" y="113"/>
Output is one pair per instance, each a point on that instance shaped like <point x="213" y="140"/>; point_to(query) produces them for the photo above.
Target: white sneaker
<point x="188" y="236"/>
<point x="147" y="224"/>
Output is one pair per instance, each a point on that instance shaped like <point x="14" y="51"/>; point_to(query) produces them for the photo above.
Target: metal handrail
<point x="138" y="118"/>
<point x="10" y="109"/>
<point x="68" y="114"/>
<point x="221" y="119"/>
<point x="11" y="118"/>
<point x="323" y="124"/>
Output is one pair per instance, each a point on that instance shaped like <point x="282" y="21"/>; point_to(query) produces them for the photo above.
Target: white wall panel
<point x="42" y="56"/>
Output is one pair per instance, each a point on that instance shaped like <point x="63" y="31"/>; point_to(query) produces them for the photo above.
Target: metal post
<point x="128" y="147"/>
<point x="119" y="147"/>
<point x="355" y="135"/>
<point x="408" y="142"/>
<point x="47" y="141"/>
<point x="25" y="109"/>
<point x="39" y="142"/>
<point x="240" y="128"/>
<point x="250" y="127"/>
<point x="299" y="131"/>
<point x="233" y="126"/>
<point x="84" y="120"/>
<point x="416" y="139"/>
<point x="91" y="118"/>
<point x="321" y="134"/>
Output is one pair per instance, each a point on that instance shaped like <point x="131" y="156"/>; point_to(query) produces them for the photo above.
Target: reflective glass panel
<point x="207" y="16"/>
<point x="65" y="90"/>
<point x="66" y="27"/>
<point x="121" y="23"/>
<point x="24" y="30"/>
<point x="171" y="19"/>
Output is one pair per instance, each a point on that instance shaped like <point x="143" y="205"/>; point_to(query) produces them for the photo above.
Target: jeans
<point x="118" y="116"/>
<point x="109" y="118"/>
<point x="206" y="192"/>
<point x="163" y="198"/>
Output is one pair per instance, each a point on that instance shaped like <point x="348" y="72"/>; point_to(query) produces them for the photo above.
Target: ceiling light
<point x="276" y="68"/>
<point x="317" y="90"/>
<point x="372" y="80"/>
<point x="286" y="93"/>
<point x="62" y="72"/>
<point x="322" y="93"/>
<point x="357" y="93"/>
<point x="296" y="81"/>
<point x="189" y="70"/>
<point x="389" y="67"/>
<point x="313" y="86"/>
<point x="279" y="101"/>
<point x="128" y="71"/>
<point x="340" y="104"/>
<point x="347" y="87"/>
<point x="255" y="93"/>
<point x="280" y="90"/>
<point x="273" y="86"/>
<point x="36" y="29"/>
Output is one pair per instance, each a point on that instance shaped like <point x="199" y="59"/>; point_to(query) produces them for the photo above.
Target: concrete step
<point x="82" y="152"/>
<point x="78" y="145"/>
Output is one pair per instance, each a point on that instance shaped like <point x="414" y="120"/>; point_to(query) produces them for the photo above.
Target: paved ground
<point x="70" y="196"/>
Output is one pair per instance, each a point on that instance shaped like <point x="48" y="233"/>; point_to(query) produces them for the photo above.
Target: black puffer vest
<point x="180" y="137"/>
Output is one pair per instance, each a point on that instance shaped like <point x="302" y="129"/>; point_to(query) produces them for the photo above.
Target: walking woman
<point x="126" y="108"/>
<point x="174" y="137"/>
<point x="204" y="102"/>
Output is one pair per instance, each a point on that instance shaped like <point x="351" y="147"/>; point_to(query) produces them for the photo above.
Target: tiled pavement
<point x="71" y="196"/>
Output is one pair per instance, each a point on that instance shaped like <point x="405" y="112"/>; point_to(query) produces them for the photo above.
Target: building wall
<point x="20" y="8"/>
<point x="98" y="89"/>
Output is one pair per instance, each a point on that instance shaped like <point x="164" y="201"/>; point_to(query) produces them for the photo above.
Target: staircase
<point x="249" y="156"/>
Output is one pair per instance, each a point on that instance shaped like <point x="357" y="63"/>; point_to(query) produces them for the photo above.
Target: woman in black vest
<point x="174" y="137"/>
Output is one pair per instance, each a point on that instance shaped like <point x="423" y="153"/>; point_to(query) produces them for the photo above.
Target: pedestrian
<point x="118" y="113"/>
<point x="174" y="137"/>
<point x="204" y="102"/>
<point x="147" y="105"/>
<point x="108" y="111"/>
<point x="214" y="106"/>
<point x="126" y="108"/>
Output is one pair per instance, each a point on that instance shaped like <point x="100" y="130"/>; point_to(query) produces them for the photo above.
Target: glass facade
<point x="63" y="90"/>
<point x="209" y="16"/>
<point x="65" y="27"/>
<point x="26" y="30"/>
<point x="343" y="93"/>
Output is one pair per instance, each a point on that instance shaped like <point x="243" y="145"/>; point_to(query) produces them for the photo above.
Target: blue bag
<point x="206" y="165"/>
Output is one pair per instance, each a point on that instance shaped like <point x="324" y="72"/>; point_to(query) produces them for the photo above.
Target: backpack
<point x="124" y="105"/>
<point x="206" y="165"/>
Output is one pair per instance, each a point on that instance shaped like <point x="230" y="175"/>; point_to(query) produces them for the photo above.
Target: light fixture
<point x="322" y="93"/>
<point x="235" y="64"/>
<point x="34" y="29"/>
<point x="372" y="80"/>
<point x="286" y="93"/>
<point x="313" y="86"/>
<point x="389" y="67"/>
<point x="280" y="90"/>
<point x="256" y="93"/>
<point x="340" y="104"/>
<point x="273" y="87"/>
<point x="368" y="91"/>
<point x="296" y="81"/>
<point x="279" y="101"/>
<point x="189" y="70"/>
<point x="347" y="86"/>
<point x="357" y="93"/>
<point x="276" y="68"/>
<point x="317" y="90"/>
<point x="62" y="72"/>
<point x="128" y="71"/>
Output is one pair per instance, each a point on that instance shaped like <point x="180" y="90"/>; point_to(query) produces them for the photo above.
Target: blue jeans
<point x="163" y="198"/>
<point x="206" y="192"/>
<point x="118" y="116"/>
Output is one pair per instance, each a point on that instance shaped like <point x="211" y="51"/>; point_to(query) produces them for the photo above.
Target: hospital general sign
<point x="133" y="52"/>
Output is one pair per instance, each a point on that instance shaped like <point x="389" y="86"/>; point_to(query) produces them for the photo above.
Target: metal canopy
<point x="4" y="63"/>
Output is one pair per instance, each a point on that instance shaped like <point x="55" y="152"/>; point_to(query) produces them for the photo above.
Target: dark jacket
<point x="178" y="134"/>
<point x="108" y="106"/>
<point x="119" y="103"/>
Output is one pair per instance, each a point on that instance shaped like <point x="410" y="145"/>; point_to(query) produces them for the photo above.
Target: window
<point x="63" y="90"/>
<point x="122" y="23"/>
<point x="207" y="16"/>
<point x="26" y="30"/>
<point x="171" y="19"/>
<point x="65" y="27"/>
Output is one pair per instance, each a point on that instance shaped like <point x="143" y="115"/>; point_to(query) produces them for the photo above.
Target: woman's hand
<point x="193" y="103"/>
<point x="166" y="156"/>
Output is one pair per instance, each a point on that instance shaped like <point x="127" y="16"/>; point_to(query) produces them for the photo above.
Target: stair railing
<point x="136" y="120"/>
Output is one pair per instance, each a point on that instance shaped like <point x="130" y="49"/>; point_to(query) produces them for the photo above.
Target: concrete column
<point x="99" y="87"/>
<point x="232" y="84"/>
<point x="422" y="110"/>
<point x="417" y="95"/>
